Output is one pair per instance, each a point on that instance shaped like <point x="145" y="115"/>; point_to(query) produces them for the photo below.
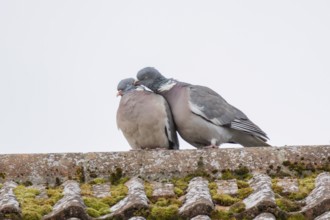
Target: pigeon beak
<point x="137" y="83"/>
<point x="119" y="93"/>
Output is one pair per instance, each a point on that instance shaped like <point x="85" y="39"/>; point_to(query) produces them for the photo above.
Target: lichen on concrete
<point x="135" y="200"/>
<point x="8" y="200"/>
<point x="319" y="198"/>
<point x="262" y="191"/>
<point x="198" y="199"/>
<point x="265" y="216"/>
<point x="227" y="187"/>
<point x="164" y="177"/>
<point x="71" y="205"/>
<point x="157" y="164"/>
<point x="325" y="216"/>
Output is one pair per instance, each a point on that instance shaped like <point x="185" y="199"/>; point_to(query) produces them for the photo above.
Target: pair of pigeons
<point x="150" y="119"/>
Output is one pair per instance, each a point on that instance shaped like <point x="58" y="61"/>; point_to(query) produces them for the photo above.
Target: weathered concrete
<point x="71" y="205"/>
<point x="325" y="216"/>
<point x="264" y="163"/>
<point x="101" y="190"/>
<point x="53" y="169"/>
<point x="198" y="199"/>
<point x="43" y="191"/>
<point x="197" y="202"/>
<point x="262" y="186"/>
<point x="227" y="187"/>
<point x="162" y="190"/>
<point x="136" y="199"/>
<point x="8" y="201"/>
<point x="137" y="218"/>
<point x="57" y="168"/>
<point x="262" y="199"/>
<point x="201" y="217"/>
<point x="318" y="201"/>
<point x="289" y="185"/>
<point x="265" y="216"/>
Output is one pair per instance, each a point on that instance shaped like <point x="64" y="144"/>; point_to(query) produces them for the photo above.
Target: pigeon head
<point x="151" y="78"/>
<point x="125" y="86"/>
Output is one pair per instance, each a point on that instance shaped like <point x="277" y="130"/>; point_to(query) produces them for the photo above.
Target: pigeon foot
<point x="212" y="146"/>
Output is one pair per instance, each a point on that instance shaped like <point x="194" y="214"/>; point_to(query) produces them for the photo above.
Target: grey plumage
<point x="145" y="118"/>
<point x="201" y="115"/>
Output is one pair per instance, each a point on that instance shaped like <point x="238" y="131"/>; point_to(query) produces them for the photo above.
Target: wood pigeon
<point x="145" y="118"/>
<point x="202" y="117"/>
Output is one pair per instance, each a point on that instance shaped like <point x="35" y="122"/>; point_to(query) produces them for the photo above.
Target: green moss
<point x="200" y="163"/>
<point x="86" y="189"/>
<point x="0" y="185"/>
<point x="148" y="189"/>
<point x="92" y="212"/>
<point x="224" y="199"/>
<point x="31" y="215"/>
<point x="96" y="207"/>
<point x="98" y="181"/>
<point x="227" y="200"/>
<point x="101" y="206"/>
<point x="299" y="167"/>
<point x="110" y="201"/>
<point x="227" y="175"/>
<point x="92" y="174"/>
<point x="54" y="194"/>
<point x="142" y="212"/>
<point x="95" y="203"/>
<point x="242" y="184"/>
<point x="237" y="208"/>
<point x="57" y="182"/>
<point x="163" y="202"/>
<point x="198" y="173"/>
<point x="118" y="192"/>
<point x="179" y="192"/>
<point x="244" y="192"/>
<point x="12" y="216"/>
<point x="276" y="188"/>
<point x="2" y="175"/>
<point x="302" y="168"/>
<point x="169" y="212"/>
<point x="287" y="205"/>
<point x="241" y="173"/>
<point x="180" y="185"/>
<point x="80" y="174"/>
<point x="117" y="177"/>
<point x="162" y="208"/>
<point x="221" y="214"/>
<point x="213" y="186"/>
<point x="286" y="163"/>
<point x="297" y="217"/>
<point x="26" y="183"/>
<point x="215" y="171"/>
<point x="34" y="208"/>
<point x="24" y="192"/>
<point x="306" y="185"/>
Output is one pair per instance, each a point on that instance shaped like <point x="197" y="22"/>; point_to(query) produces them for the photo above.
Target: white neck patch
<point x="167" y="86"/>
<point x="139" y="88"/>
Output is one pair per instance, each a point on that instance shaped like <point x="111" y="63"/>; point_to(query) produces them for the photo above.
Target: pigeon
<point x="145" y="118"/>
<point x="202" y="117"/>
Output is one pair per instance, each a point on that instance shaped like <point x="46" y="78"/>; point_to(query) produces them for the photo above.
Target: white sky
<point x="60" y="62"/>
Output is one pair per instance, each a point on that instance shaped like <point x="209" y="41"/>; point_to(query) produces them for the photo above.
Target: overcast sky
<point x="60" y="62"/>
